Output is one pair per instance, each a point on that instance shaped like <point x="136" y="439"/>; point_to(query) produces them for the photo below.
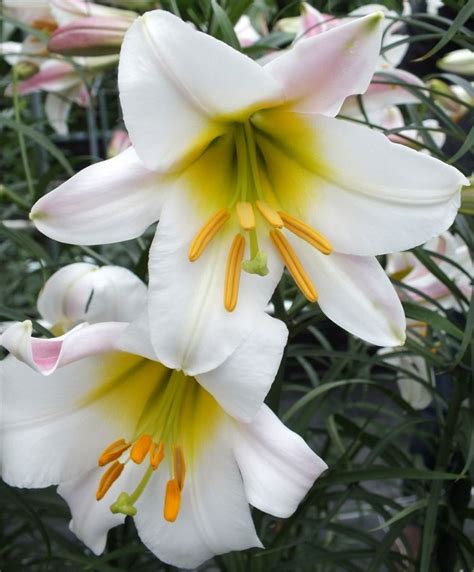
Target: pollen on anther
<point x="140" y="448"/>
<point x="232" y="276"/>
<point x="113" y="452"/>
<point x="157" y="454"/>
<point x="269" y="214"/>
<point x="172" y="501"/>
<point x="207" y="233"/>
<point x="108" y="479"/>
<point x="306" y="232"/>
<point x="245" y="215"/>
<point x="179" y="466"/>
<point x="303" y="281"/>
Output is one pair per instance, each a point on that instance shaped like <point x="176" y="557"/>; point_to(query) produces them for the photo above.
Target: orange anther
<point x="172" y="501"/>
<point x="157" y="454"/>
<point x="108" y="479"/>
<point x="113" y="452"/>
<point x="179" y="466"/>
<point x="140" y="448"/>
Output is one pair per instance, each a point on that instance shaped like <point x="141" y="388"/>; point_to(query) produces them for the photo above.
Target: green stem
<point x="437" y="486"/>
<point x="21" y="140"/>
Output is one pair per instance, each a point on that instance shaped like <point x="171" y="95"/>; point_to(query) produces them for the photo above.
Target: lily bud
<point x="458" y="61"/>
<point x="92" y="36"/>
<point x="118" y="143"/>
<point x="25" y="70"/>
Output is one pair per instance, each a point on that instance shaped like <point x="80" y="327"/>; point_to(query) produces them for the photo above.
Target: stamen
<point x="306" y="232"/>
<point x="294" y="266"/>
<point x="269" y="214"/>
<point x="157" y="454"/>
<point x="172" y="500"/>
<point x="108" y="479"/>
<point x="245" y="215"/>
<point x="179" y="466"/>
<point x="140" y="448"/>
<point x="113" y="452"/>
<point x="232" y="276"/>
<point x="207" y="233"/>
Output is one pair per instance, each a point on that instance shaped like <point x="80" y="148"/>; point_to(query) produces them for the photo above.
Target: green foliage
<point x="396" y="496"/>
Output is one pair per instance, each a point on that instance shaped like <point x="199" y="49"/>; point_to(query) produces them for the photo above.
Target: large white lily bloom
<point x="123" y="435"/>
<point x="246" y="167"/>
<point x="84" y="292"/>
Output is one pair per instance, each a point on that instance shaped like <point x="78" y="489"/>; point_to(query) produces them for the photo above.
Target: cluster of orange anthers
<point x="141" y="448"/>
<point x="277" y="220"/>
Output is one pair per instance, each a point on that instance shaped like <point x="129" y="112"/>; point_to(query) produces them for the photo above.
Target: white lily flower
<point x="84" y="292"/>
<point x="246" y="164"/>
<point x="406" y="267"/>
<point x="123" y="435"/>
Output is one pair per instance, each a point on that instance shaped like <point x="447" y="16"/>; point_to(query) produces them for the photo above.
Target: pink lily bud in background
<point x="91" y="36"/>
<point x="118" y="143"/>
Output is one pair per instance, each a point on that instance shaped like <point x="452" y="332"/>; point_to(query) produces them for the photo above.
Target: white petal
<point x="190" y="328"/>
<point x="355" y="292"/>
<point x="374" y="186"/>
<point x="318" y="73"/>
<point x="367" y="195"/>
<point x="52" y="300"/>
<point x="45" y="355"/>
<point x="381" y="93"/>
<point x="177" y="85"/>
<point x="214" y="516"/>
<point x="241" y="383"/>
<point x="83" y="292"/>
<point x="52" y="430"/>
<point x="107" y="202"/>
<point x="57" y="108"/>
<point x="277" y="466"/>
<point x="118" y="295"/>
<point x="92" y="519"/>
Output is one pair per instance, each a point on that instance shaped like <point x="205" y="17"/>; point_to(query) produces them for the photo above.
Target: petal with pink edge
<point x="110" y="201"/>
<point x="318" y="73"/>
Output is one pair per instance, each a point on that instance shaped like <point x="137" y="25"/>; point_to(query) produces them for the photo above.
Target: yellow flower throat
<point x="173" y="416"/>
<point x="252" y="200"/>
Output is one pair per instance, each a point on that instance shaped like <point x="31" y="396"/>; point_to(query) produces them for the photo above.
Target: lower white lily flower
<point x="248" y="171"/>
<point x="84" y="292"/>
<point x="123" y="435"/>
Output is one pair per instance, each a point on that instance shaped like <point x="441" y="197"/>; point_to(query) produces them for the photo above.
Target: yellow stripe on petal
<point x="207" y="233"/>
<point x="306" y="232"/>
<point x="232" y="276"/>
<point x="294" y="266"/>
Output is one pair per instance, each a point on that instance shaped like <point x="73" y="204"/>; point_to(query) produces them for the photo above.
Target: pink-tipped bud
<point x="92" y="36"/>
<point x="118" y="143"/>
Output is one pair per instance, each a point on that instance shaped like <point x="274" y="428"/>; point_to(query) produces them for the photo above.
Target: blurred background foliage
<point x="397" y="494"/>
